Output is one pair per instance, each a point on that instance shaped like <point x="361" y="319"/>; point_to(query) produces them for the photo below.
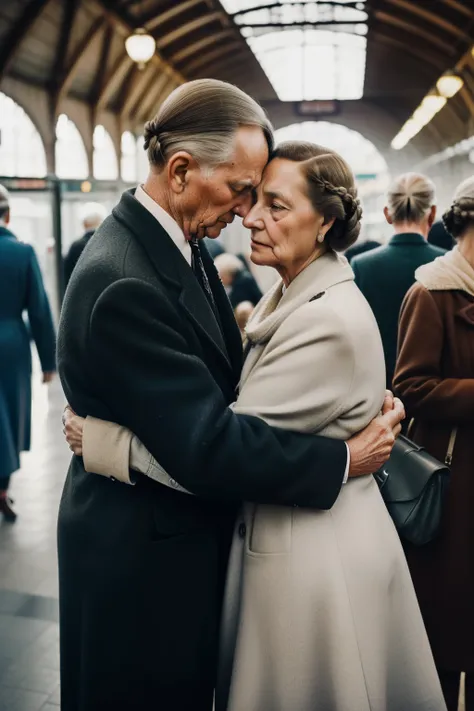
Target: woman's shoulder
<point x="340" y="310"/>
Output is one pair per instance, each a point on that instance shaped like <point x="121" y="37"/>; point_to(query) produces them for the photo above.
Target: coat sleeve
<point x="39" y="315"/>
<point x="418" y="378"/>
<point x="169" y="399"/>
<point x="304" y="377"/>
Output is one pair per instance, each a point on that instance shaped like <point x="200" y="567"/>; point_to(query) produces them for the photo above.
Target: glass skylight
<point x="309" y="50"/>
<point x="312" y="64"/>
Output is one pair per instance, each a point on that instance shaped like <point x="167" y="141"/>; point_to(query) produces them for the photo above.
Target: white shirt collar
<point x="166" y="221"/>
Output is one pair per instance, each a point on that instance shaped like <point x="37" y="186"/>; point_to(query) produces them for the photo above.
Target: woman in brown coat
<point x="435" y="378"/>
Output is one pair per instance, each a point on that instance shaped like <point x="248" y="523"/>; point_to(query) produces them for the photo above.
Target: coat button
<point x="242" y="530"/>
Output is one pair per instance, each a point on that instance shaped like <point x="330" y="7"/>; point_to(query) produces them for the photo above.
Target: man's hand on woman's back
<point x="371" y="448"/>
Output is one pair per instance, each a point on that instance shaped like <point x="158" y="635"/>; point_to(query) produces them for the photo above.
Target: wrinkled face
<point x="210" y="201"/>
<point x="283" y="222"/>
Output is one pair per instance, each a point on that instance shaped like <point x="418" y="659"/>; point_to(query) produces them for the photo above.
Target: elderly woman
<point x="435" y="376"/>
<point x="320" y="612"/>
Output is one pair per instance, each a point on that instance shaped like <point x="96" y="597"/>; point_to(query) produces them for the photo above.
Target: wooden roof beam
<point x="188" y="27"/>
<point x="154" y="87"/>
<point x="388" y="19"/>
<point x="208" y="57"/>
<point x="195" y="47"/>
<point x="81" y="49"/>
<point x="430" y="16"/>
<point x="155" y="20"/>
<point x="136" y="91"/>
<point x="17" y="34"/>
<point x="113" y="79"/>
<point x="126" y="26"/>
<point x="69" y="15"/>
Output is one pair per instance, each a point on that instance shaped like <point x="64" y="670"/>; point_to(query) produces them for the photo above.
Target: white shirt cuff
<point x="346" y="473"/>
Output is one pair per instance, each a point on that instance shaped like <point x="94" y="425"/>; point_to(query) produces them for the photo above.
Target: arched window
<point x="71" y="156"/>
<point x="369" y="166"/>
<point x="104" y="159"/>
<point x="128" y="160"/>
<point x="361" y="154"/>
<point x="21" y="148"/>
<point x="142" y="160"/>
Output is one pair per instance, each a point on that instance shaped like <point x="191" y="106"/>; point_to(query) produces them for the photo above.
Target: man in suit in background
<point x="148" y="339"/>
<point x="385" y="274"/>
<point x="93" y="215"/>
<point x="239" y="283"/>
<point x="360" y="248"/>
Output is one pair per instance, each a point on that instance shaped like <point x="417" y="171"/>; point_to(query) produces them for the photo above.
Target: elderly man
<point x="93" y="214"/>
<point x="148" y="339"/>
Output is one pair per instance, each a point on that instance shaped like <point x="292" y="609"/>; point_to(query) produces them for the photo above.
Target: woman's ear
<point x="432" y="216"/>
<point x="388" y="216"/>
<point x="327" y="224"/>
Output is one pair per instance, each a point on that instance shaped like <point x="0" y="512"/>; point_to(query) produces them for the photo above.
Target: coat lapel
<point x="173" y="268"/>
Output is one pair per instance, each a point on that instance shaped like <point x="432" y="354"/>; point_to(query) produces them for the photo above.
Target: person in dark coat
<point x="147" y="339"/>
<point x="214" y="247"/>
<point x="360" y="248"/>
<point x="438" y="236"/>
<point x="385" y="274"/>
<point x="239" y="283"/>
<point x="93" y="216"/>
<point x="435" y="378"/>
<point x="21" y="289"/>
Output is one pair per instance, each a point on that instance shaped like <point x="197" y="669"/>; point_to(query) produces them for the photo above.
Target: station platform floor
<point x="29" y="631"/>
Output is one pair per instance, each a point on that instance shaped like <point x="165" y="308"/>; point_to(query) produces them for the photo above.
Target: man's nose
<point x="244" y="206"/>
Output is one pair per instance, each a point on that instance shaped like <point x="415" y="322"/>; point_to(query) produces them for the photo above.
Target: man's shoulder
<point x="435" y="251"/>
<point x="368" y="259"/>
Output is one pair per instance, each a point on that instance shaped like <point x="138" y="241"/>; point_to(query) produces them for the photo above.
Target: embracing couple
<point x="235" y="545"/>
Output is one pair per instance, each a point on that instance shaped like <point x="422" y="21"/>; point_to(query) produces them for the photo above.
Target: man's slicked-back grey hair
<point x="201" y="117"/>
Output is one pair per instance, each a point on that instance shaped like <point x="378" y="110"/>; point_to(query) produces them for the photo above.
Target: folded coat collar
<point x="319" y="276"/>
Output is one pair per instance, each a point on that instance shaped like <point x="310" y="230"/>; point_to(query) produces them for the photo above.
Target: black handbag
<point x="413" y="485"/>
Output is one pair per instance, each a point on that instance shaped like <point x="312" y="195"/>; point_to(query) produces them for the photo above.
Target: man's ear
<point x="178" y="169"/>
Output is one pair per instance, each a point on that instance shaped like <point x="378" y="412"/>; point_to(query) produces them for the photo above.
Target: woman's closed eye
<point x="277" y="207"/>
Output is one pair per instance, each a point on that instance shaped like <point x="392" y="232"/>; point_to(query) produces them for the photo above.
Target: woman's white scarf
<point x="451" y="272"/>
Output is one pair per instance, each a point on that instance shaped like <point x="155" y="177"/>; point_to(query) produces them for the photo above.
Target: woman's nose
<point x="252" y="219"/>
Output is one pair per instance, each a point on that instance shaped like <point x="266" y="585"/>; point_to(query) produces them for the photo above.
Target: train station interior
<point x="388" y="84"/>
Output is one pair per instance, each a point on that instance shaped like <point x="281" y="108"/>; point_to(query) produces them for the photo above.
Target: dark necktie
<point x="198" y="268"/>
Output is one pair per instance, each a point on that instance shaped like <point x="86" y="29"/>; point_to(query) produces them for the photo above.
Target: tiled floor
<point x="29" y="634"/>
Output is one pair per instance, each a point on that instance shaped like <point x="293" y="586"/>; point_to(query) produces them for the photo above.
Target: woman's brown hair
<point x="331" y="189"/>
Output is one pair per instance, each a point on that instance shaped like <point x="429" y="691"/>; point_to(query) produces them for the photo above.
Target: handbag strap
<point x="452" y="441"/>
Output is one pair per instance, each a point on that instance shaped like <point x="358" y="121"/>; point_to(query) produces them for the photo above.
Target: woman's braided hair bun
<point x="460" y="215"/>
<point x="331" y="188"/>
